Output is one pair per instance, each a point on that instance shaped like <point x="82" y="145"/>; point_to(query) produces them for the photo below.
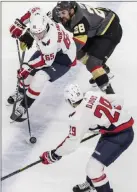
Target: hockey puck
<point x="33" y="140"/>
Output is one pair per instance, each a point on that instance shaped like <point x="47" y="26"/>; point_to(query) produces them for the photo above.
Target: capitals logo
<point x="47" y="43"/>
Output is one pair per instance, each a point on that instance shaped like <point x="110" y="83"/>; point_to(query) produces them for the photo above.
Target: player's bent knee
<point x="94" y="168"/>
<point x="93" y="63"/>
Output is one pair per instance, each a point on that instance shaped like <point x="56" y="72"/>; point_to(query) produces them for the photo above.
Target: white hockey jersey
<point x="96" y="111"/>
<point x="57" y="39"/>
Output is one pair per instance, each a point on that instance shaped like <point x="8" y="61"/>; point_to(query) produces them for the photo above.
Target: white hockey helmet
<point x="73" y="94"/>
<point x="39" y="25"/>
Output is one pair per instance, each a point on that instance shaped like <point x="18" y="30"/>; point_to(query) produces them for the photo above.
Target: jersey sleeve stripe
<point x="81" y="39"/>
<point x="25" y="18"/>
<point x="37" y="62"/>
<point x="108" y="25"/>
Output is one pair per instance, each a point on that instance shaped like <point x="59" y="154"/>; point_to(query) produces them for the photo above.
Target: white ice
<point x="50" y="107"/>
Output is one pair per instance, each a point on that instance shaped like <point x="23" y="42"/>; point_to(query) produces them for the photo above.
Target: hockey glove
<point x="24" y="72"/>
<point x="17" y="28"/>
<point x="27" y="39"/>
<point x="49" y="157"/>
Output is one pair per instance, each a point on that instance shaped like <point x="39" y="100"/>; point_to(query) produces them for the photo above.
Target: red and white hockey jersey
<point x="56" y="39"/>
<point x="97" y="110"/>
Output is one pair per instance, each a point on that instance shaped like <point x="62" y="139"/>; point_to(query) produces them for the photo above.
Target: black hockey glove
<point x="26" y="39"/>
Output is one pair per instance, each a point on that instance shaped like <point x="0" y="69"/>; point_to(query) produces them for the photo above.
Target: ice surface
<point x="50" y="107"/>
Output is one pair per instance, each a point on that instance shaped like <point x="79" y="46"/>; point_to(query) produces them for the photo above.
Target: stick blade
<point x="14" y="118"/>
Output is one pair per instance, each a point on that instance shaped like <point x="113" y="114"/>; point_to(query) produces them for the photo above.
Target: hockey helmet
<point x="73" y="94"/>
<point x="63" y="10"/>
<point x="67" y="5"/>
<point x="39" y="25"/>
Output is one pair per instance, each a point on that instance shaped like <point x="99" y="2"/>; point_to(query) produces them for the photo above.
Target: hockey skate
<point x="107" y="89"/>
<point x="18" y="114"/>
<point x="110" y="75"/>
<point x="84" y="187"/>
<point x="12" y="98"/>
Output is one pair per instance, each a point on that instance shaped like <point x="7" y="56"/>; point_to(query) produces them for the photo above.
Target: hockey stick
<point x="89" y="137"/>
<point x="39" y="161"/>
<point x="20" y="170"/>
<point x="32" y="139"/>
<point x="17" y="86"/>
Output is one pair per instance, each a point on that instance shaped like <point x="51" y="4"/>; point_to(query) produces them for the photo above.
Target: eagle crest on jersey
<point x="47" y="43"/>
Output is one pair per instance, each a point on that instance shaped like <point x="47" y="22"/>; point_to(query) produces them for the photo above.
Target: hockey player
<point x="96" y="111"/>
<point x="56" y="53"/>
<point x="96" y="32"/>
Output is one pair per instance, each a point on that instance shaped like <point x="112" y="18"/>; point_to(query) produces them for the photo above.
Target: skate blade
<point x="19" y="120"/>
<point x="110" y="76"/>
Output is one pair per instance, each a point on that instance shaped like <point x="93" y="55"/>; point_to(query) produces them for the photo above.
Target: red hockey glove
<point x="24" y="72"/>
<point x="17" y="28"/>
<point x="49" y="157"/>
